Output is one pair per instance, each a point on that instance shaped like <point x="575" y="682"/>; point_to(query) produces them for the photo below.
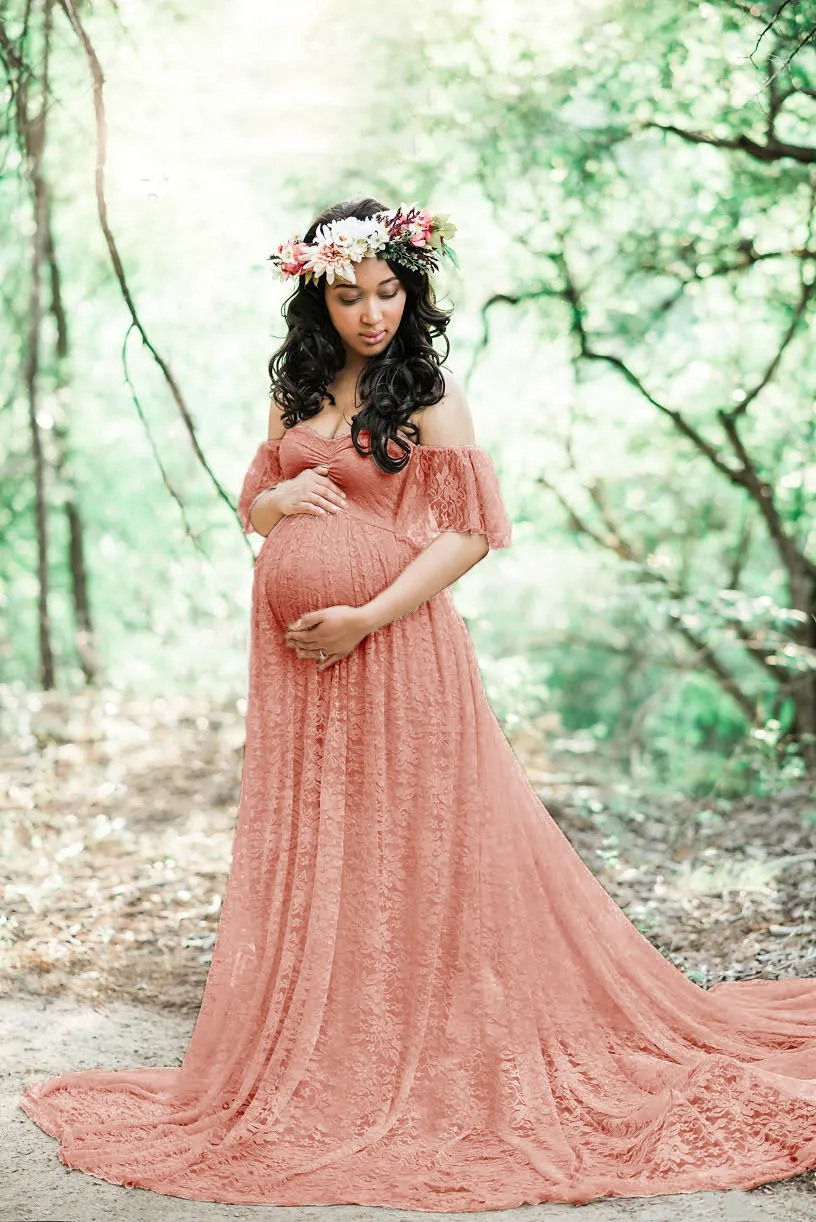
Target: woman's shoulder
<point x="275" y="428"/>
<point x="448" y="422"/>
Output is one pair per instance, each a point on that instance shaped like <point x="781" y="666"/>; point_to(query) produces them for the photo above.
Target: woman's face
<point x="373" y="305"/>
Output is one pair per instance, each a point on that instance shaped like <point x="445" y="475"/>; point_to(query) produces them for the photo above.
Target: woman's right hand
<point x="311" y="491"/>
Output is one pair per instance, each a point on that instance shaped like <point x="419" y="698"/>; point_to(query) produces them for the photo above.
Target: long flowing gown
<point x="419" y="995"/>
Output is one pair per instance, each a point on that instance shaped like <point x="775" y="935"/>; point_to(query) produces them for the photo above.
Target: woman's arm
<point x="264" y="514"/>
<point x="441" y="563"/>
<point x="450" y="554"/>
<point x="311" y="491"/>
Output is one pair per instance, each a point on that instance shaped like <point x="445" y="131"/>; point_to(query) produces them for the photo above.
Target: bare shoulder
<point x="448" y="422"/>
<point x="276" y="429"/>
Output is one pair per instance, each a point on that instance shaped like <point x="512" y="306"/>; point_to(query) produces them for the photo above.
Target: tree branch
<point x="571" y="296"/>
<point x="805" y="296"/>
<point x="615" y="542"/>
<point x="136" y="323"/>
<point x="746" y="476"/>
<point x="773" y="150"/>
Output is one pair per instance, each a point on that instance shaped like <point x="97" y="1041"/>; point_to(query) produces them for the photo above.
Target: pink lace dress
<point x="419" y="996"/>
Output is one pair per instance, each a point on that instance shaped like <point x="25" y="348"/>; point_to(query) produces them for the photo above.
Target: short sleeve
<point x="264" y="472"/>
<point x="462" y="491"/>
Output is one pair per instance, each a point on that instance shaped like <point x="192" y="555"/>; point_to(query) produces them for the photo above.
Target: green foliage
<point x="636" y="255"/>
<point x="655" y="260"/>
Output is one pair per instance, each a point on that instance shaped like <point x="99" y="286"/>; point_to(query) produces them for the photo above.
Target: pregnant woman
<point x="419" y="996"/>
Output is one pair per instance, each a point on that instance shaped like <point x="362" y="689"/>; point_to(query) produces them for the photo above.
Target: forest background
<point x="634" y="186"/>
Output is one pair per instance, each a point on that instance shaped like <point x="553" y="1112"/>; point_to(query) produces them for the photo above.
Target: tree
<point x="655" y="178"/>
<point x="26" y="43"/>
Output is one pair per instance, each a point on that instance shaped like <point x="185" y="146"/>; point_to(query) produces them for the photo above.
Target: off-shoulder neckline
<point x="462" y="445"/>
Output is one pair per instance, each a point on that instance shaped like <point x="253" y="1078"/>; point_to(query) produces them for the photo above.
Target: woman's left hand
<point x="335" y="630"/>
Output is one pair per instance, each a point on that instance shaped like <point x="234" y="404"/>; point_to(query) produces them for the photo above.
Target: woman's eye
<point x="356" y="301"/>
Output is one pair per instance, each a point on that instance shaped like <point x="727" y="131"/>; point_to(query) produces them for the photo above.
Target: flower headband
<point x="407" y="235"/>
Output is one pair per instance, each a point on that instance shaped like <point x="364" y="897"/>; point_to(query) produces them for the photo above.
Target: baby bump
<point x="308" y="561"/>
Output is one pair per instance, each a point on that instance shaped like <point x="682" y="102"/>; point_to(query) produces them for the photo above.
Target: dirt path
<point x="44" y="1035"/>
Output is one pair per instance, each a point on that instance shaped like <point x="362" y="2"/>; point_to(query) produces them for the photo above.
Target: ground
<point x="115" y="839"/>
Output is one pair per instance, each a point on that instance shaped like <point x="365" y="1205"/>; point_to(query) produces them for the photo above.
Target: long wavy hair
<point x="393" y="383"/>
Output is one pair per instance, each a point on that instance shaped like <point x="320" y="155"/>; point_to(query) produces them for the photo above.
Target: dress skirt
<point x="419" y="996"/>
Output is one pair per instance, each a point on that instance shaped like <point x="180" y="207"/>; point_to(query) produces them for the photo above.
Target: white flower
<point x="348" y="233"/>
<point x="339" y="244"/>
<point x="379" y="235"/>
<point x="345" y="270"/>
<point x="327" y="258"/>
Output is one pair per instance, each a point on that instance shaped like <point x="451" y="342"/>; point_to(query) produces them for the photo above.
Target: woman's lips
<point x="375" y="338"/>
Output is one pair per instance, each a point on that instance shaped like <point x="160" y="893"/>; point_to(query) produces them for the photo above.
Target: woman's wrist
<point x="369" y="621"/>
<point x="378" y="614"/>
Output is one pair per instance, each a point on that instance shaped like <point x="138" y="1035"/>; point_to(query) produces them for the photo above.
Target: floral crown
<point x="412" y="237"/>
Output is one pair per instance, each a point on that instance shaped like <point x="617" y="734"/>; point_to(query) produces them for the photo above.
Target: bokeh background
<point x="634" y="186"/>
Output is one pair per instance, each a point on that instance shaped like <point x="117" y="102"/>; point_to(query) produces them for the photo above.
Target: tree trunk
<point x="33" y="132"/>
<point x="84" y="642"/>
<point x="802" y="688"/>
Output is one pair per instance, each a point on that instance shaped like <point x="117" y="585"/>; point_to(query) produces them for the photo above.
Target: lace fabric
<point x="419" y="996"/>
<point x="462" y="491"/>
<point x="443" y="488"/>
<point x="264" y="471"/>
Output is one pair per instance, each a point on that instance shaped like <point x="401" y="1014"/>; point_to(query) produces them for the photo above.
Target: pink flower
<point x="291" y="257"/>
<point x="412" y="223"/>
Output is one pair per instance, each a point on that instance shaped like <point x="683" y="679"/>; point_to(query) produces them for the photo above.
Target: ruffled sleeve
<point x="462" y="491"/>
<point x="264" y="472"/>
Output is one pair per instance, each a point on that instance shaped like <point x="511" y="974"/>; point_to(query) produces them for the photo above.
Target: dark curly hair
<point x="393" y="384"/>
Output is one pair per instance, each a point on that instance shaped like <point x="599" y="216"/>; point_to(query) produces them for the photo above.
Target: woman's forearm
<point x="441" y="563"/>
<point x="264" y="512"/>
